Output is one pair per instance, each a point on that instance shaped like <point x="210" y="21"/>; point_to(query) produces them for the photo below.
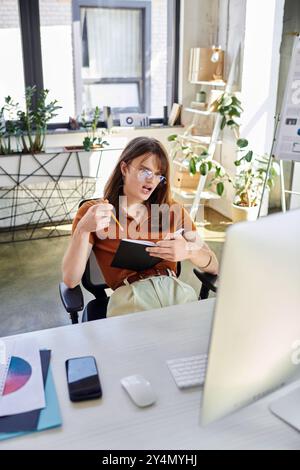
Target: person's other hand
<point x="172" y="248"/>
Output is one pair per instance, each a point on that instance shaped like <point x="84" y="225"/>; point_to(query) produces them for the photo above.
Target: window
<point x="112" y="58"/>
<point x="117" y="53"/>
<point x="57" y="54"/>
<point x="121" y="53"/>
<point x="11" y="59"/>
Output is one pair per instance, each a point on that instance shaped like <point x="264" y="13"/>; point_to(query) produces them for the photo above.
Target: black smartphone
<point x="83" y="378"/>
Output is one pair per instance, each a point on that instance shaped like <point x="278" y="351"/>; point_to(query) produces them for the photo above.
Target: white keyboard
<point x="188" y="371"/>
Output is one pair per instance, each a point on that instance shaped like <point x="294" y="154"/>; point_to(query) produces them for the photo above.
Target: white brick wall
<point x="55" y="12"/>
<point x="9" y="14"/>
<point x="52" y="12"/>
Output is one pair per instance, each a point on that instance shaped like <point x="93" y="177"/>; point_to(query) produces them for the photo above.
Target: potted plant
<point x="194" y="155"/>
<point x="187" y="154"/>
<point x="32" y="123"/>
<point x="91" y="141"/>
<point x="184" y="156"/>
<point x="229" y="106"/>
<point x="26" y="127"/>
<point x="247" y="182"/>
<point x="251" y="169"/>
<point x="8" y="126"/>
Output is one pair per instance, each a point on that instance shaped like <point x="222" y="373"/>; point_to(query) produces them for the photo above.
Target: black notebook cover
<point x="132" y="254"/>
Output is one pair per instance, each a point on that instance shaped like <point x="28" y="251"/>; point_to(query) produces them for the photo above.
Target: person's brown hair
<point x="134" y="149"/>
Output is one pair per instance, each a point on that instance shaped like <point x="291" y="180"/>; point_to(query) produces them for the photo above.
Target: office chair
<point x="92" y="280"/>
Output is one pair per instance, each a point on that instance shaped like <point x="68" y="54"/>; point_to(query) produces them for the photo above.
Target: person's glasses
<point x="146" y="174"/>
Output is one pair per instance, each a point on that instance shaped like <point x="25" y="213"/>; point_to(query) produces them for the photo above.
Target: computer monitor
<point x="257" y="314"/>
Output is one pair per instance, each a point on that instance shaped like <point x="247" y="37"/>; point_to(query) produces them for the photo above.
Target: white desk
<point x="141" y="343"/>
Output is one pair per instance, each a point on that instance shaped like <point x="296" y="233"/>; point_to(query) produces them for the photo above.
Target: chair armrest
<point x="208" y="282"/>
<point x="71" y="298"/>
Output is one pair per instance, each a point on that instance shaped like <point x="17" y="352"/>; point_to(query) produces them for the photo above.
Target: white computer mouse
<point x="139" y="389"/>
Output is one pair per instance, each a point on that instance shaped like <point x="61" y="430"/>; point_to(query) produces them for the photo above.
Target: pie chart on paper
<point x="18" y="374"/>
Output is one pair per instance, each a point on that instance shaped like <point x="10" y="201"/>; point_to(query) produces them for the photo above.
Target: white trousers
<point x="151" y="293"/>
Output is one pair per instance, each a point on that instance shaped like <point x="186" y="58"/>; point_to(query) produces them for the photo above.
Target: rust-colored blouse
<point x="105" y="248"/>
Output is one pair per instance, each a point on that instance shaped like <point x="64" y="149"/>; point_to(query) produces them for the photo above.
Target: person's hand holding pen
<point x="174" y="235"/>
<point x="114" y="217"/>
<point x="97" y="217"/>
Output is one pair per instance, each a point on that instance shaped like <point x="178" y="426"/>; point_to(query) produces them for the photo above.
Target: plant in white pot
<point x="251" y="169"/>
<point x="251" y="172"/>
<point x="248" y="182"/>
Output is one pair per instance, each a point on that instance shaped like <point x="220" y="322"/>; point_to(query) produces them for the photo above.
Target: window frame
<point x="113" y="81"/>
<point x="173" y="44"/>
<point x="29" y="15"/>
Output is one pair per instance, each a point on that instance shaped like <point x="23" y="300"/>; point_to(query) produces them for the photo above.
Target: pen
<point x="178" y="232"/>
<point x="114" y="217"/>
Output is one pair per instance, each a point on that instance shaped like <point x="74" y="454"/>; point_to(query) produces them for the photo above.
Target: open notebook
<point x="132" y="254"/>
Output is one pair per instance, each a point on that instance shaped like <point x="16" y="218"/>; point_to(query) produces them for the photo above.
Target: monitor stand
<point x="287" y="408"/>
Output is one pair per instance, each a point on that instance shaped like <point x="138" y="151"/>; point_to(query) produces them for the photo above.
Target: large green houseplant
<point x="247" y="183"/>
<point x="249" y="177"/>
<point x="33" y="120"/>
<point x="27" y="127"/>
<point x="251" y="169"/>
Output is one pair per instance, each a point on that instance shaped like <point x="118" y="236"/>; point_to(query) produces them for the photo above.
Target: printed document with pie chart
<point x="23" y="388"/>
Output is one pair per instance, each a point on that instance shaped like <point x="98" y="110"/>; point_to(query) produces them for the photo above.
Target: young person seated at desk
<point x="139" y="191"/>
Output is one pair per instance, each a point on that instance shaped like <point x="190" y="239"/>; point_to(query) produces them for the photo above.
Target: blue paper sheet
<point x="50" y="416"/>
